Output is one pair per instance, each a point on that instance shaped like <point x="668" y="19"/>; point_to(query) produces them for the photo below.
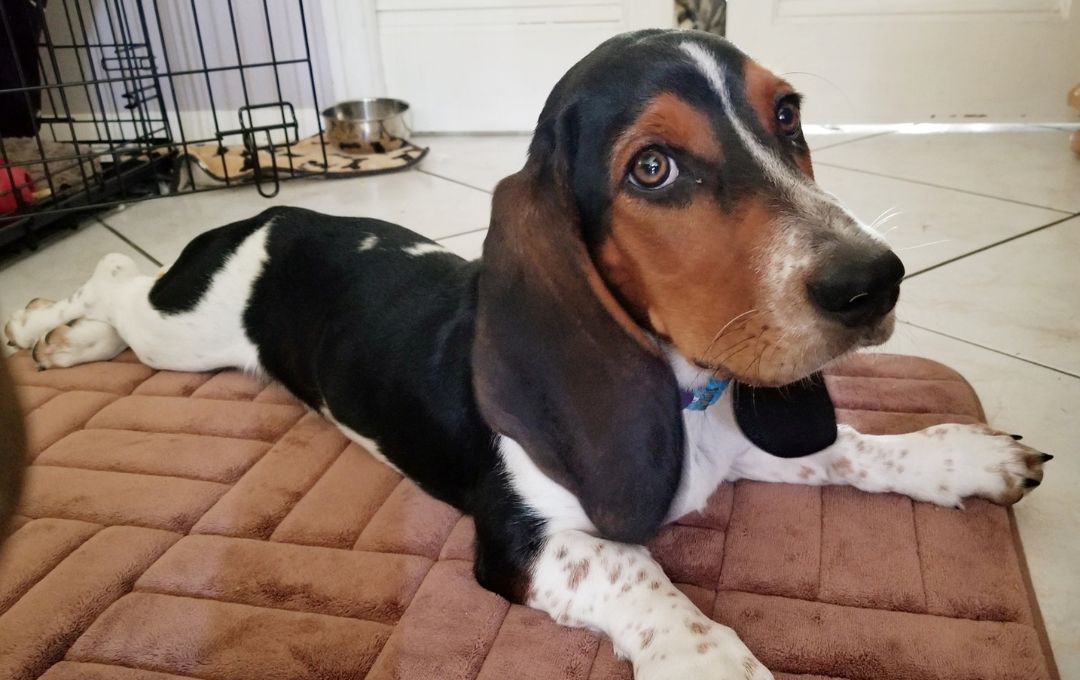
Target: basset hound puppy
<point x="660" y="285"/>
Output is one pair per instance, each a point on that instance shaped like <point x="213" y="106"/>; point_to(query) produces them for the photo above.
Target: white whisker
<point x="891" y="229"/>
<point x="923" y="245"/>
<point x="733" y="320"/>
<point x="720" y="334"/>
<point x="883" y="219"/>
<point x="886" y="215"/>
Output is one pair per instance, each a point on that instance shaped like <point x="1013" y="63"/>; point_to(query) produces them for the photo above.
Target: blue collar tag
<point x="704" y="396"/>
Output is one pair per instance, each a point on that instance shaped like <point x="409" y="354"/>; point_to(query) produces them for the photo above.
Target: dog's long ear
<point x="563" y="370"/>
<point x="790" y="421"/>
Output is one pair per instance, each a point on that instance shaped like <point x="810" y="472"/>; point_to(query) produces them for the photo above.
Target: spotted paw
<point x="1022" y="471"/>
<point x="979" y="461"/>
<point x="22" y="329"/>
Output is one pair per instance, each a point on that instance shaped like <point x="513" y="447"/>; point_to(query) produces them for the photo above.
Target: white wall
<point x="902" y="61"/>
<point x="488" y="65"/>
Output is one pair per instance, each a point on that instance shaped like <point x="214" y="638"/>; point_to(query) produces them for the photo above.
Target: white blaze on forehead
<point x="784" y="177"/>
<point x="804" y="193"/>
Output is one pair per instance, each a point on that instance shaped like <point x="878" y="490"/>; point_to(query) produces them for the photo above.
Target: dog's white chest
<point x="713" y="442"/>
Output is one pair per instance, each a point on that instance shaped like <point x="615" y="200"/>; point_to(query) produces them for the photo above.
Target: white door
<point x="488" y="65"/>
<point x="891" y="61"/>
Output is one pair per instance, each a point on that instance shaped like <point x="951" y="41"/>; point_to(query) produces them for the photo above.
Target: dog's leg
<point x="80" y="342"/>
<point x="581" y="580"/>
<point x="27" y="326"/>
<point x="942" y="464"/>
<point x="15" y="333"/>
<point x="208" y="288"/>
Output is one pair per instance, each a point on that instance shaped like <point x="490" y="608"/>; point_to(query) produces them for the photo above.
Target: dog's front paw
<point x="716" y="653"/>
<point x="980" y="461"/>
<point x="20" y="330"/>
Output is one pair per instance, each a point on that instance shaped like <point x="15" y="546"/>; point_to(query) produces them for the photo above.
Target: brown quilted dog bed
<point x="207" y="526"/>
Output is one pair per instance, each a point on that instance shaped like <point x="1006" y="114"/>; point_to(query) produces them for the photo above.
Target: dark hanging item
<point x="20" y="74"/>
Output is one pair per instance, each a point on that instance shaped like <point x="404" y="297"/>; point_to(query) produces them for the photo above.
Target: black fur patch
<point x="790" y="421"/>
<point x="187" y="281"/>
<point x="508" y="538"/>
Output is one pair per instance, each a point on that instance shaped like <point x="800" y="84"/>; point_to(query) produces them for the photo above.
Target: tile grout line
<point x="941" y="186"/>
<point x="128" y="241"/>
<point x="852" y="141"/>
<point x="982" y="249"/>
<point x="990" y="349"/>
<point x="454" y="181"/>
<point x="460" y="233"/>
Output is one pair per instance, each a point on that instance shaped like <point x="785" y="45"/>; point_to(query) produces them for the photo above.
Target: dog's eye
<point x="653" y="169"/>
<point x="787" y="118"/>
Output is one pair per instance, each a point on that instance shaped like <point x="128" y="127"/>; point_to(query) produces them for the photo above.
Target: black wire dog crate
<point x="109" y="101"/>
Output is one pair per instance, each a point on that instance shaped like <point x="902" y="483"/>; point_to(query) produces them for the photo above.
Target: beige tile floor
<point x="988" y="225"/>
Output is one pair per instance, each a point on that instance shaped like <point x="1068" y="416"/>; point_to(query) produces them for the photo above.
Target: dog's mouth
<point x="879" y="333"/>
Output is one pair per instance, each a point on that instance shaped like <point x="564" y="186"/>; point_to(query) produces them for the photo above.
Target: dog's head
<point x="669" y="195"/>
<point x="695" y="194"/>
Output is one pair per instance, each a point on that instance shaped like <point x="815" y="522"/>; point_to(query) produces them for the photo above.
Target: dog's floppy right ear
<point x="563" y="370"/>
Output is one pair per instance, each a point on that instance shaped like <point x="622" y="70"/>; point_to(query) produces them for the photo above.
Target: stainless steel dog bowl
<point x="364" y="121"/>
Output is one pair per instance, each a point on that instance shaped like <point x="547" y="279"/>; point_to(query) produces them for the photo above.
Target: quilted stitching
<point x="206" y="526"/>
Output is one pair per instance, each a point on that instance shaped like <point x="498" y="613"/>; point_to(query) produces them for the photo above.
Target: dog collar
<point x="704" y="396"/>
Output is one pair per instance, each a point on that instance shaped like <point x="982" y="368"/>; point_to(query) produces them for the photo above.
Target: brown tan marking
<point x="666" y="119"/>
<point x="578" y="571"/>
<point x="647" y="637"/>
<point x="689" y="271"/>
<point x="615" y="573"/>
<point x="763" y="88"/>
<point x="750" y="666"/>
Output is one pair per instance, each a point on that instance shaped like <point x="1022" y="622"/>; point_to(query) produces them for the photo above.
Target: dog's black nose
<point x="855" y="289"/>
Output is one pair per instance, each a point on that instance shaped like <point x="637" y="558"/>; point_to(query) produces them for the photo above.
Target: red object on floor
<point x="18" y="178"/>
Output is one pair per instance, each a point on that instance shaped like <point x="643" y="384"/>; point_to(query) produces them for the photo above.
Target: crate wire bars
<point x="102" y="100"/>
